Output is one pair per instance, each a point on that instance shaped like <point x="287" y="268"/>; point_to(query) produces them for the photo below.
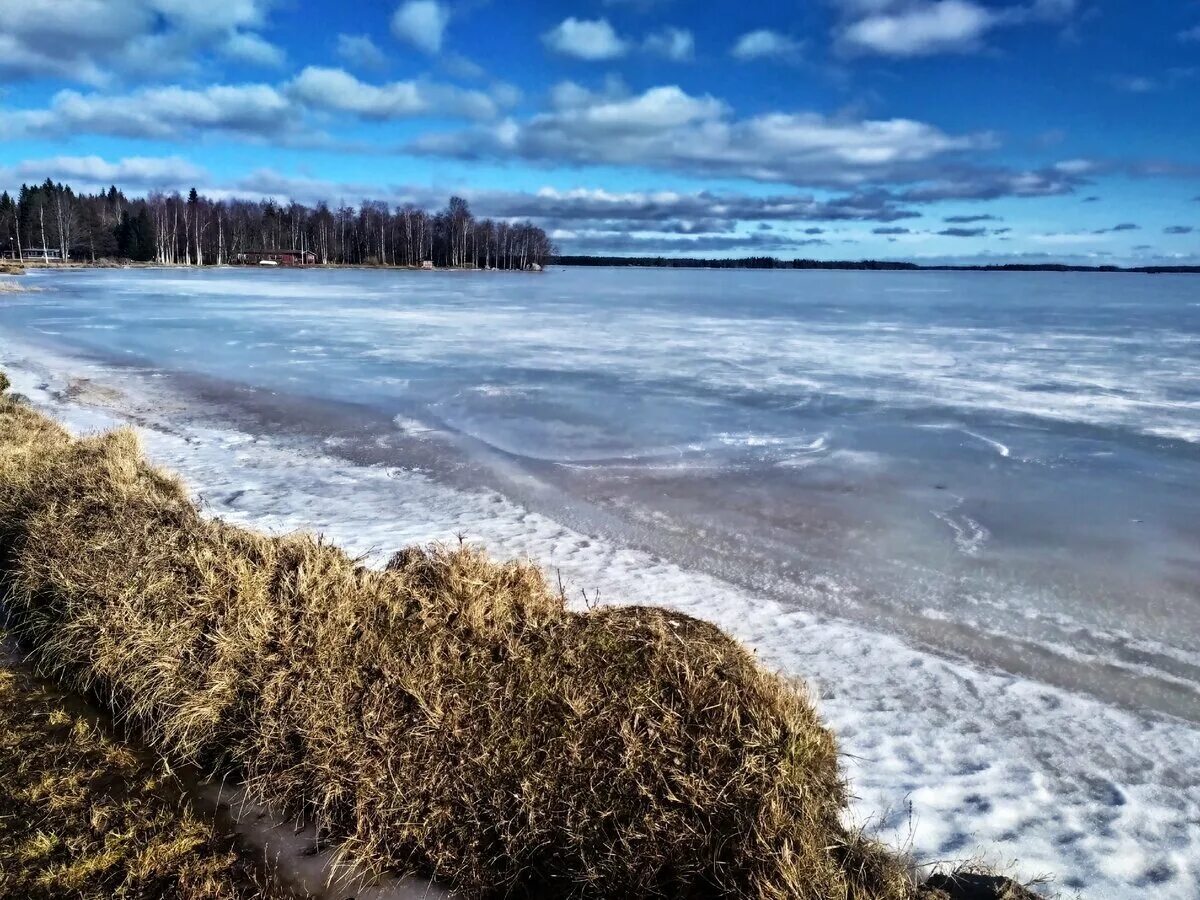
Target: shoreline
<point x="869" y="265"/>
<point x="1118" y="670"/>
<point x="642" y="263"/>
<point x="875" y="690"/>
<point x="710" y="738"/>
<point x="76" y="265"/>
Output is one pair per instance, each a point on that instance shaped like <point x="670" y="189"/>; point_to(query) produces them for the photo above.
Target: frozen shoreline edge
<point x="776" y="632"/>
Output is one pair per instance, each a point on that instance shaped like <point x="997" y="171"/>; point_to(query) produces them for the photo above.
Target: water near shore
<point x="962" y="503"/>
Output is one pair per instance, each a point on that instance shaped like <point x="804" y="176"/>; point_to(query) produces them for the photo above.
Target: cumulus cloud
<point x="91" y="40"/>
<point x="975" y="182"/>
<point x="910" y="28"/>
<point x="677" y="44"/>
<point x="920" y="30"/>
<point x="666" y="127"/>
<point x="967" y="220"/>
<point x="422" y="23"/>
<point x="1190" y="34"/>
<point x="963" y="232"/>
<point x="261" y="112"/>
<point x="160" y="113"/>
<point x="593" y="40"/>
<point x="633" y="207"/>
<point x="620" y="242"/>
<point x="252" y="48"/>
<point x="1178" y="229"/>
<point x="336" y="90"/>
<point x="892" y="230"/>
<point x="766" y="44"/>
<point x="92" y="172"/>
<point x="1124" y="226"/>
<point x="359" y="50"/>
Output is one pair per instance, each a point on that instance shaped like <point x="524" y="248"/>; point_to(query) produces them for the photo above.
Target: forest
<point x="53" y="220"/>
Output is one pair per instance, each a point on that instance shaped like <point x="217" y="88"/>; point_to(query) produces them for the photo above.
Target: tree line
<point x="195" y="230"/>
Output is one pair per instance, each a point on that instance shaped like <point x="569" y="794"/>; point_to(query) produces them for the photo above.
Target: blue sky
<point x="956" y="130"/>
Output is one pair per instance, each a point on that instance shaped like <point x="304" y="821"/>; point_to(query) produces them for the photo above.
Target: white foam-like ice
<point x="969" y="534"/>
<point x="1002" y="449"/>
<point x="956" y="759"/>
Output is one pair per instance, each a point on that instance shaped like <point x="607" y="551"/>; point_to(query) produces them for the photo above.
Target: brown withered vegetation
<point x="448" y="716"/>
<point x="85" y="816"/>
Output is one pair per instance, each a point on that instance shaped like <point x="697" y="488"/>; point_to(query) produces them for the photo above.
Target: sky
<point x="926" y="130"/>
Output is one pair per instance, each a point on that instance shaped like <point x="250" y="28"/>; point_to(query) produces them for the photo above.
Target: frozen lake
<point x="958" y="502"/>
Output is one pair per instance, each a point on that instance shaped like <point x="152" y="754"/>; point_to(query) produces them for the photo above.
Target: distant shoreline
<point x="866" y="265"/>
<point x="637" y="263"/>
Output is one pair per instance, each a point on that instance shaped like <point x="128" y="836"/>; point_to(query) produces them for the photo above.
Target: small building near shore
<point x="276" y="257"/>
<point x="33" y="254"/>
<point x="427" y="264"/>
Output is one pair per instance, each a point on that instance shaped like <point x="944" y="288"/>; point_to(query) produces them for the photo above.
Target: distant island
<point x="771" y="262"/>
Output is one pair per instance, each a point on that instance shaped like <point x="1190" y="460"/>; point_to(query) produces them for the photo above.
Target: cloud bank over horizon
<point x="985" y="129"/>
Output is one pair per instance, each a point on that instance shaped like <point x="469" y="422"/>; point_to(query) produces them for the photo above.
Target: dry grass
<point x="448" y="716"/>
<point x="88" y="817"/>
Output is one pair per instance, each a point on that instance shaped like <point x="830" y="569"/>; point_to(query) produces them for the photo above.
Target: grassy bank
<point x="7" y="285"/>
<point x="86" y="816"/>
<point x="449" y="716"/>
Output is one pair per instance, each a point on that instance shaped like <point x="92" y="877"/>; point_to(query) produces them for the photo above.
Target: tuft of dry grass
<point x="85" y="816"/>
<point x="448" y="716"/>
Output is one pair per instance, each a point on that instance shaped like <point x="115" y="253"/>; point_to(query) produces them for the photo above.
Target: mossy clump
<point x="449" y="715"/>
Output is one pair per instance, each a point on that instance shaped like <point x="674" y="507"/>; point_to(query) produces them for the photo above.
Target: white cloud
<point x="927" y="28"/>
<point x="1075" y="166"/>
<point x="91" y="40"/>
<point x="677" y="44"/>
<point x="665" y="127"/>
<point x="908" y="28"/>
<point x="90" y="172"/>
<point x="280" y="114"/>
<point x="251" y="48"/>
<point x="166" y="113"/>
<point x="360" y="50"/>
<point x="766" y="44"/>
<point x="1191" y="34"/>
<point x="422" y="23"/>
<point x="592" y="40"/>
<point x="337" y="90"/>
